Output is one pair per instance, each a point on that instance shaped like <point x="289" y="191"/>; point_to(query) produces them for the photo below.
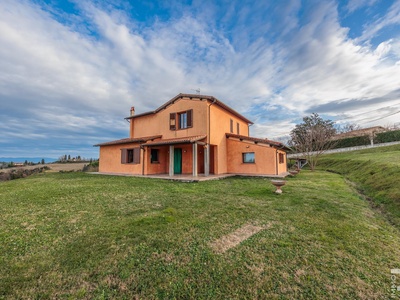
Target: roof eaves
<point x="129" y="140"/>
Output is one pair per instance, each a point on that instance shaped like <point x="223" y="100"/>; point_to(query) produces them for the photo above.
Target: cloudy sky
<point x="71" y="70"/>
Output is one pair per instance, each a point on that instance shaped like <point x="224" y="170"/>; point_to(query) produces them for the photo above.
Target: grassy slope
<point x="376" y="173"/>
<point x="78" y="236"/>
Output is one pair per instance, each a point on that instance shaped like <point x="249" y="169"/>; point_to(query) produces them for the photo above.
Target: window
<point x="249" y="158"/>
<point x="130" y="156"/>
<point x="154" y="156"/>
<point x="182" y="119"/>
<point x="237" y="128"/>
<point x="231" y="126"/>
<point x="281" y="158"/>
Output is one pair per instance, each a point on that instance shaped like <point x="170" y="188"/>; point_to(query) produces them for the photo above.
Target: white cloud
<point x="62" y="79"/>
<point x="354" y="5"/>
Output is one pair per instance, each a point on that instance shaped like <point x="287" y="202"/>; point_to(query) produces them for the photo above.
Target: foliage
<point x="376" y="172"/>
<point x="388" y="136"/>
<point x="312" y="137"/>
<point x="82" y="236"/>
<point x="353" y="142"/>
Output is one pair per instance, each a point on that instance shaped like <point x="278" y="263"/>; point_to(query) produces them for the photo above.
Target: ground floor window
<point x="130" y="156"/>
<point x="281" y="158"/>
<point x="154" y="156"/>
<point x="248" y="157"/>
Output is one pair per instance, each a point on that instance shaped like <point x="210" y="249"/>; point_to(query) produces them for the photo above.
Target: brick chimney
<point x="132" y="111"/>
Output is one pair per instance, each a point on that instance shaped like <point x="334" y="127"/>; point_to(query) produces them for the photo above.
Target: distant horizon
<point x="34" y="159"/>
<point x="71" y="70"/>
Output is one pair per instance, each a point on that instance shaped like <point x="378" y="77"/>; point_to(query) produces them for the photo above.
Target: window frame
<point x="247" y="161"/>
<point x="156" y="153"/>
<point x="130" y="156"/>
<point x="281" y="158"/>
<point x="175" y="120"/>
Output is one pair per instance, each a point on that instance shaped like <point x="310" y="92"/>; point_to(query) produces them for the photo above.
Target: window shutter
<point x="123" y="156"/>
<point x="172" y="121"/>
<point x="237" y="128"/>
<point x="231" y="126"/>
<point x="190" y="118"/>
<point x="136" y="155"/>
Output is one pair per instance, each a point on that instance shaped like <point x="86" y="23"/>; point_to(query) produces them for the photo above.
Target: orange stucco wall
<point x="110" y="160"/>
<point x="219" y="126"/>
<point x="208" y="119"/>
<point x="266" y="160"/>
<point x="158" y="124"/>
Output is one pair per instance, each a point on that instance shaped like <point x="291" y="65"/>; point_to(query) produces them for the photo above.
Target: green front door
<point x="177" y="161"/>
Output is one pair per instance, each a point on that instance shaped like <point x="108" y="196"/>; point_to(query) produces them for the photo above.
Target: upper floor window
<point x="182" y="117"/>
<point x="181" y="120"/>
<point x="231" y="126"/>
<point x="237" y="128"/>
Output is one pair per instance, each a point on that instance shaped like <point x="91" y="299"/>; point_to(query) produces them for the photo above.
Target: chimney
<point x="132" y="111"/>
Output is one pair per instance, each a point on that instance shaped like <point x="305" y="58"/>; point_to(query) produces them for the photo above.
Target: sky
<point x="71" y="69"/>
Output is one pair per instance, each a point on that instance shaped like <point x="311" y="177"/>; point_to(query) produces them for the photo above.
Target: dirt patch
<point x="233" y="239"/>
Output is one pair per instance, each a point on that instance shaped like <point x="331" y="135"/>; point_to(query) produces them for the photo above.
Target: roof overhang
<point x="277" y="145"/>
<point x="129" y="140"/>
<point x="186" y="140"/>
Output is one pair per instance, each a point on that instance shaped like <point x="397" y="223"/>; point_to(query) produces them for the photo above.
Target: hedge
<point x="388" y="136"/>
<point x="353" y="142"/>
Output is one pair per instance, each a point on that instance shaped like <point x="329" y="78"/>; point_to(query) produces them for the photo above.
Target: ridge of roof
<point x="180" y="95"/>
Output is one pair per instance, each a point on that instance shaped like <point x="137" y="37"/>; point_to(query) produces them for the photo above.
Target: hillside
<point x="376" y="174"/>
<point x="83" y="236"/>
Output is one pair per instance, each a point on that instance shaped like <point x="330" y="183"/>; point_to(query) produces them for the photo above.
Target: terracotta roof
<point x="129" y="140"/>
<point x="184" y="140"/>
<point x="257" y="140"/>
<point x="208" y="98"/>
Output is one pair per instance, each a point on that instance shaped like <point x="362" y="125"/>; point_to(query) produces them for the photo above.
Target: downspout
<point x="209" y="121"/>
<point x="142" y="147"/>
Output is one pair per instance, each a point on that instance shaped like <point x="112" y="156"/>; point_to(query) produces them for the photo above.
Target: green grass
<point x="376" y="173"/>
<point x="80" y="236"/>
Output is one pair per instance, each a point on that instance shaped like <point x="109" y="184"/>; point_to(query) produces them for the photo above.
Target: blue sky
<point x="71" y="70"/>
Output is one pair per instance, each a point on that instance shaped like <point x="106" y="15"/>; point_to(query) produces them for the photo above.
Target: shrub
<point x="388" y="136"/>
<point x="353" y="142"/>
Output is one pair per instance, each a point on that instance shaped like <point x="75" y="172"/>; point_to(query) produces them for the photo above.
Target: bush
<point x="388" y="136"/>
<point x="353" y="142"/>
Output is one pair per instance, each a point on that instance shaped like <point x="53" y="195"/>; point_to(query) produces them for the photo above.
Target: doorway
<point x="177" y="161"/>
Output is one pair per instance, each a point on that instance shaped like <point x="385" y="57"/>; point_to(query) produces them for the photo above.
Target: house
<point x="191" y="134"/>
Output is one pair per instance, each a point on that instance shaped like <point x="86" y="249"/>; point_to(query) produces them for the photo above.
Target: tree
<point x="42" y="161"/>
<point x="348" y="127"/>
<point x="312" y="138"/>
<point x="69" y="157"/>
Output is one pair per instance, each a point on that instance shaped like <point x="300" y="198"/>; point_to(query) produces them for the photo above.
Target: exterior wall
<point x="110" y="160"/>
<point x="282" y="167"/>
<point x="266" y="160"/>
<point x="158" y="124"/>
<point x="219" y="126"/>
<point x="162" y="166"/>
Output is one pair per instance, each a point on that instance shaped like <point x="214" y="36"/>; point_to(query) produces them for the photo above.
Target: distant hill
<point x="29" y="159"/>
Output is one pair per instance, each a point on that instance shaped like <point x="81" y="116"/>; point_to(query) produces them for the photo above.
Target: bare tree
<point x="348" y="127"/>
<point x="312" y="138"/>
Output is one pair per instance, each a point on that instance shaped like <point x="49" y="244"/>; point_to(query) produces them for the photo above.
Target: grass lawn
<point x="376" y="173"/>
<point x="81" y="236"/>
